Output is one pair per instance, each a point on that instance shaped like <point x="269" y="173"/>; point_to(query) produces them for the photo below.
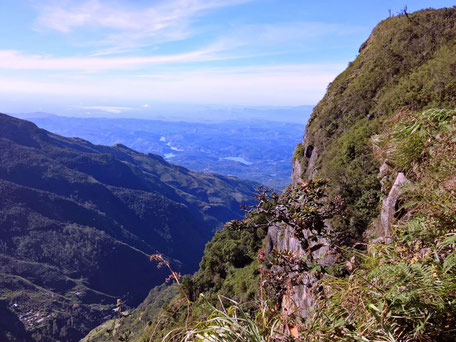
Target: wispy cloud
<point x="63" y="16"/>
<point x="285" y="32"/>
<point x="277" y="85"/>
<point x="14" y="60"/>
<point x="119" y="28"/>
<point x="126" y="27"/>
<point x="171" y="50"/>
<point x="282" y="37"/>
<point x="107" y="109"/>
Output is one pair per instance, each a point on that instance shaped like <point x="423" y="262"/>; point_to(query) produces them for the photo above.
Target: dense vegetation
<point x="79" y="221"/>
<point x="372" y="115"/>
<point x="403" y="290"/>
<point x="229" y="267"/>
<point x="407" y="62"/>
<point x="392" y="108"/>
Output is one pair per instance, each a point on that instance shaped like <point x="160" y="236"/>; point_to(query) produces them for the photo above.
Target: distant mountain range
<point x="177" y="112"/>
<point x="78" y="222"/>
<point x="257" y="150"/>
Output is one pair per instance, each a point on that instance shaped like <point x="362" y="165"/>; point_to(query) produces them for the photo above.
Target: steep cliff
<point x="362" y="246"/>
<point x="408" y="64"/>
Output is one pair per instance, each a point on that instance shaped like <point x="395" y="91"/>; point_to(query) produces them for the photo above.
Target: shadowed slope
<point x="78" y="222"/>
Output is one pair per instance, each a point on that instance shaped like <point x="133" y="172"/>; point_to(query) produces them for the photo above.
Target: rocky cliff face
<point x="404" y="64"/>
<point x="369" y="136"/>
<point x="301" y="297"/>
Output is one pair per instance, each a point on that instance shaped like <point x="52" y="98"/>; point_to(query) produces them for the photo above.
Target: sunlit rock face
<point x="300" y="297"/>
<point x="304" y="168"/>
<point x="390" y="204"/>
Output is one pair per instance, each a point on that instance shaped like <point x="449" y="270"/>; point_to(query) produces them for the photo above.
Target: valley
<point x="79" y="221"/>
<point x="184" y="193"/>
<point x="256" y="150"/>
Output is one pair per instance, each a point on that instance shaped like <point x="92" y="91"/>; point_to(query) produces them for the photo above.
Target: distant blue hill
<point x="253" y="149"/>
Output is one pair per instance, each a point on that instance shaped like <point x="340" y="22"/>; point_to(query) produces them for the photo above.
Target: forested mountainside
<point x="79" y="221"/>
<point x="362" y="245"/>
<point x="257" y="150"/>
<point x="408" y="63"/>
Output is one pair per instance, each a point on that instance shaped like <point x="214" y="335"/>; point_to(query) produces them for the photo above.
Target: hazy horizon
<point x="127" y="56"/>
<point x="180" y="112"/>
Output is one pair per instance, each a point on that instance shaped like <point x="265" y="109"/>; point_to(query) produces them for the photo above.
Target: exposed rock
<point x="304" y="170"/>
<point x="281" y="237"/>
<point x="297" y="171"/>
<point x="311" y="170"/>
<point x="385" y="169"/>
<point x="390" y="205"/>
<point x="300" y="298"/>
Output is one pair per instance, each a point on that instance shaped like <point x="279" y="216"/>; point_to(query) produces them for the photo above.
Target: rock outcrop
<point x="299" y="298"/>
<point x="414" y="49"/>
<point x="304" y="167"/>
<point x="390" y="206"/>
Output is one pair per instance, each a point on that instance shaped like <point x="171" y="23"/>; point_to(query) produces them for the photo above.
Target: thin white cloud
<point x="64" y="17"/>
<point x="107" y="109"/>
<point x="279" y="85"/>
<point x="14" y="60"/>
<point x="282" y="37"/>
<point x="126" y="27"/>
<point x="307" y="69"/>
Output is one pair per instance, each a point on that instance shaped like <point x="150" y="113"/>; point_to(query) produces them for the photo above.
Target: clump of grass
<point x="299" y="152"/>
<point x="229" y="324"/>
<point x="416" y="132"/>
<point x="398" y="292"/>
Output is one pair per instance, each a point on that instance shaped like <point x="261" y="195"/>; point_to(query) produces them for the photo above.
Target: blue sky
<point x="120" y="55"/>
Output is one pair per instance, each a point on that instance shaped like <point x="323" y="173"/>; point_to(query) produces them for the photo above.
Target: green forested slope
<point x="79" y="221"/>
<point x="409" y="61"/>
<point x="384" y="284"/>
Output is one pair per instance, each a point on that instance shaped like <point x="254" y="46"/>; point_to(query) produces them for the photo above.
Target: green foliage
<point x="407" y="62"/>
<point x="299" y="152"/>
<point x="414" y="133"/>
<point x="303" y="209"/>
<point x="406" y="290"/>
<point x="397" y="51"/>
<point x="353" y="173"/>
<point x="243" y="285"/>
<point x="251" y="317"/>
<point x="229" y="266"/>
<point x="397" y="293"/>
<point x="229" y="324"/>
<point x="231" y="249"/>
